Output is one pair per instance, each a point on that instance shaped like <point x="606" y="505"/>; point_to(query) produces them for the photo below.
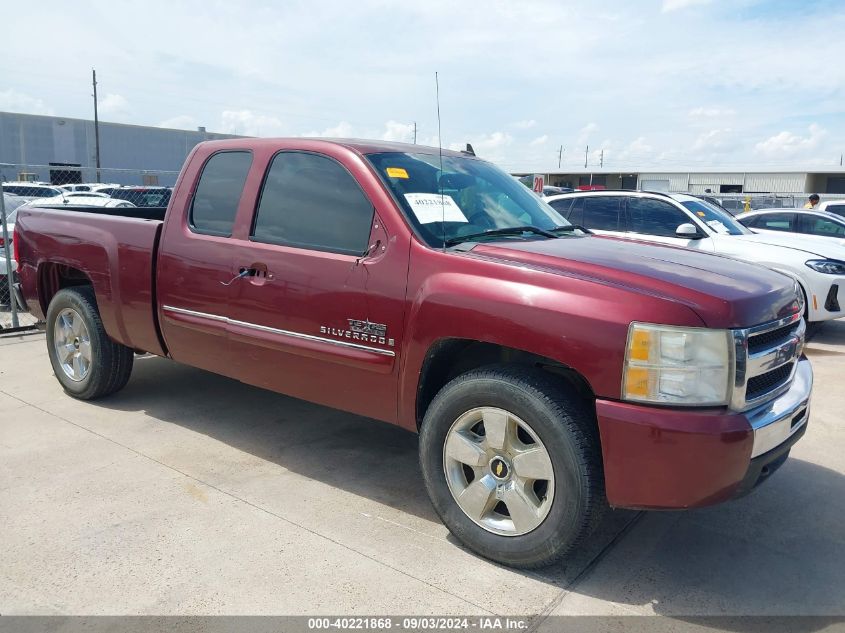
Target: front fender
<point x="579" y="323"/>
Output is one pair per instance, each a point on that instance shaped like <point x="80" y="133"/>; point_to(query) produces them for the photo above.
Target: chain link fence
<point x="13" y="313"/>
<point x="67" y="186"/>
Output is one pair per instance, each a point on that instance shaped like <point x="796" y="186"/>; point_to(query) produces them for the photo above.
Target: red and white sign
<point x="539" y="183"/>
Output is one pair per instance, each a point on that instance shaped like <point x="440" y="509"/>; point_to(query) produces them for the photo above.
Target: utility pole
<point x="415" y="132"/>
<point x="560" y="156"/>
<point x="586" y="154"/>
<point x="96" y="126"/>
<point x="601" y="160"/>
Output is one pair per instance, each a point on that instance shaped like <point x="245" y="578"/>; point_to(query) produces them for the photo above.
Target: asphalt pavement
<point x="189" y="493"/>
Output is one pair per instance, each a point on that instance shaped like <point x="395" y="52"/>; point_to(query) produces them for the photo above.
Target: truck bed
<point x="141" y="213"/>
<point x="113" y="248"/>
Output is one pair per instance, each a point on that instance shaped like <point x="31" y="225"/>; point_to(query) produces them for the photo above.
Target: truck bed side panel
<point x="115" y="253"/>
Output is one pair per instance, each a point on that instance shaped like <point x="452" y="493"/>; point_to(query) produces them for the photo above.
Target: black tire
<point x="111" y="363"/>
<point x="567" y="428"/>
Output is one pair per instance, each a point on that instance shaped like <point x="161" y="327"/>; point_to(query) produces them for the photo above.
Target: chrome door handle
<point x="245" y="272"/>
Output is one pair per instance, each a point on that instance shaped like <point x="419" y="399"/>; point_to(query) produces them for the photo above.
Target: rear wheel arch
<point x="53" y="277"/>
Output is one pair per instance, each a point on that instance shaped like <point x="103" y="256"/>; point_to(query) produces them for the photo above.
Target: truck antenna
<point x="440" y="150"/>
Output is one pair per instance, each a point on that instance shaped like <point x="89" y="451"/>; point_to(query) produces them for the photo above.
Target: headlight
<point x="675" y="365"/>
<point x="827" y="266"/>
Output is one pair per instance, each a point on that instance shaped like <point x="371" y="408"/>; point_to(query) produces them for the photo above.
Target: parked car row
<point x="139" y="196"/>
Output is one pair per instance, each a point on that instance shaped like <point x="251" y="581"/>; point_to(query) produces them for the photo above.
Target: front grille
<point x="766" y="357"/>
<point x="759" y="385"/>
<point x="766" y="340"/>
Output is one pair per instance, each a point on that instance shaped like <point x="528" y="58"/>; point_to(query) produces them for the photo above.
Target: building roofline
<point x="128" y="125"/>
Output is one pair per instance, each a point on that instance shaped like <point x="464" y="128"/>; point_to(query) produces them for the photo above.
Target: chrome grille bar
<point x="770" y="358"/>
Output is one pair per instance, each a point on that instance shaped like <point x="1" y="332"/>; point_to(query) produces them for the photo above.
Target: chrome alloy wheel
<point x="498" y="471"/>
<point x="72" y="344"/>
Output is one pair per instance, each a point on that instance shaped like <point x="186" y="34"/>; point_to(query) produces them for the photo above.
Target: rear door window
<point x="654" y="217"/>
<point x="218" y="193"/>
<point x="838" y="209"/>
<point x="576" y="213"/>
<point x="776" y="222"/>
<point x="311" y="201"/>
<point x="602" y="213"/>
<point x="815" y="225"/>
<point x="562" y="206"/>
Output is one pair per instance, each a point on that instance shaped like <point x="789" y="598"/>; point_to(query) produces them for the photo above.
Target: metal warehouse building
<point x="61" y="149"/>
<point x="830" y="181"/>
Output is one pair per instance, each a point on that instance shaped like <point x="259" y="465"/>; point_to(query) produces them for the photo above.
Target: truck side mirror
<point x="689" y="231"/>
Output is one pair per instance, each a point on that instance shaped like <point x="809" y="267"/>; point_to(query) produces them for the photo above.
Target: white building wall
<point x="699" y="183"/>
<point x="775" y="183"/>
<point x="677" y="182"/>
<point x="716" y="179"/>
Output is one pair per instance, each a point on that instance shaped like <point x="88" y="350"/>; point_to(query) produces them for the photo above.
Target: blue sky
<point x="652" y="84"/>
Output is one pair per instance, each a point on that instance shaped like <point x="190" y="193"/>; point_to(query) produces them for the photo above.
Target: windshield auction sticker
<point x="717" y="226"/>
<point x="433" y="207"/>
<point x="397" y="172"/>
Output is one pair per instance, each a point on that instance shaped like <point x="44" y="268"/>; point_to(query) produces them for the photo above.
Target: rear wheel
<point x="512" y="464"/>
<point x="87" y="363"/>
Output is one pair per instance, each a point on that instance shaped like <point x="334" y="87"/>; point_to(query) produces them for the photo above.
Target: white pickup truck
<point x="684" y="220"/>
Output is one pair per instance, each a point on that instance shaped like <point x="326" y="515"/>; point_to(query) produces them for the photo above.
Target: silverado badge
<point x="359" y="330"/>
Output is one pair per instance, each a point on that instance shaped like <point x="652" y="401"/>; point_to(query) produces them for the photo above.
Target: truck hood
<point x="724" y="292"/>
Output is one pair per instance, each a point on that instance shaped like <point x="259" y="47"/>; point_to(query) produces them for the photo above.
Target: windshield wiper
<point x="571" y="227"/>
<point x="509" y="230"/>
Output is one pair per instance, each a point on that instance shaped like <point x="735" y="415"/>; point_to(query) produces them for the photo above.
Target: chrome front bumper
<point x="778" y="420"/>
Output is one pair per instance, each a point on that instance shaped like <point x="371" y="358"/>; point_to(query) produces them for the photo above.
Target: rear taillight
<point x="16" y="240"/>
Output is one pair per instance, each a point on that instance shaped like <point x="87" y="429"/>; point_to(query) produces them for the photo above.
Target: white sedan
<point x="806" y="223"/>
<point x="817" y="265"/>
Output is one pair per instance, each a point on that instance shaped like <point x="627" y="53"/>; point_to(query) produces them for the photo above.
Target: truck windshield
<point x="718" y="220"/>
<point x="467" y="197"/>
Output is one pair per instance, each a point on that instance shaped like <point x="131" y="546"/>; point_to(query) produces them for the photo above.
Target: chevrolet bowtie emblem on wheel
<point x="499" y="468"/>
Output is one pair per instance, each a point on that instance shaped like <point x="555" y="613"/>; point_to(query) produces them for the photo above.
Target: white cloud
<point x="639" y="146"/>
<point x="114" y="105"/>
<point x="540" y="140"/>
<point x="525" y="125"/>
<point x="710" y="113"/>
<point x="341" y="130"/>
<point x="13" y="101"/>
<point x="395" y="131"/>
<point x="489" y="146"/>
<point x="676" y="5"/>
<point x="788" y="145"/>
<point x="585" y="133"/>
<point x="249" y="123"/>
<point x="181" y="122"/>
<point x="716" y="140"/>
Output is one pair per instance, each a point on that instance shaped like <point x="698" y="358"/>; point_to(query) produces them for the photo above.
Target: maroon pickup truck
<point x="550" y="373"/>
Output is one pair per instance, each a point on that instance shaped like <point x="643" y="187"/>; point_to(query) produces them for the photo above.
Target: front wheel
<point x="87" y="363"/>
<point x="512" y="463"/>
